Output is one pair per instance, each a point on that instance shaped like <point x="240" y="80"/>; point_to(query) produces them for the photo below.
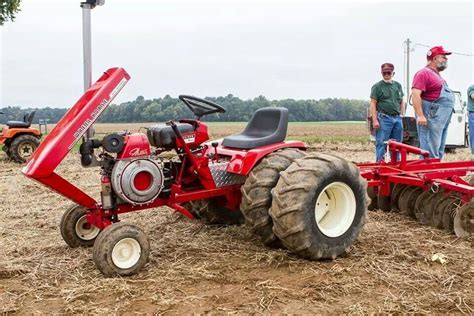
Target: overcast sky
<point x="279" y="49"/>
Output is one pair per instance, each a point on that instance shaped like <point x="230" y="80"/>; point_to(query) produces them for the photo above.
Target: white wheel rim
<point x="335" y="209"/>
<point x="126" y="253"/>
<point x="86" y="231"/>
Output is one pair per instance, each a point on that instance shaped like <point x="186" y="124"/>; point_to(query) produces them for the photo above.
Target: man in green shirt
<point x="386" y="109"/>
<point x="470" y="108"/>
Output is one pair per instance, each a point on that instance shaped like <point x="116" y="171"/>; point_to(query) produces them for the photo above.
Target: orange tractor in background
<point x="19" y="139"/>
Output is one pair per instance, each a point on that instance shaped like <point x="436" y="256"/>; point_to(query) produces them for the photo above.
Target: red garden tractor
<point x="314" y="205"/>
<point x="19" y="139"/>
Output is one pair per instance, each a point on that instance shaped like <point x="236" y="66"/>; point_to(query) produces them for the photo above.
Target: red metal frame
<point x="428" y="173"/>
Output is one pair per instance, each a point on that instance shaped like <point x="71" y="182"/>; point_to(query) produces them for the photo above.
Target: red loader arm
<point x="69" y="130"/>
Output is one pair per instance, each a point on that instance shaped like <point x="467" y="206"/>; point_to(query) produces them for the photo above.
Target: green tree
<point x="8" y="10"/>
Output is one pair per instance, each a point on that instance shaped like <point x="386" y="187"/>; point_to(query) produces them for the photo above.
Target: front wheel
<point x="75" y="229"/>
<point x="121" y="249"/>
<point x="319" y="206"/>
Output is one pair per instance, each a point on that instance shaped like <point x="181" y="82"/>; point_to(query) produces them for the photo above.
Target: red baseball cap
<point x="435" y="51"/>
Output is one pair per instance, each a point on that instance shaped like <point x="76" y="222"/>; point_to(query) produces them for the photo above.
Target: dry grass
<point x="197" y="269"/>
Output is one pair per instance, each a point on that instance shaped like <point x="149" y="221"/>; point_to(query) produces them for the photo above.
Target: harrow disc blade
<point x="407" y="200"/>
<point x="448" y="216"/>
<point x="438" y="210"/>
<point x="464" y="220"/>
<point x="397" y="191"/>
<point x="429" y="208"/>
<point x="421" y="200"/>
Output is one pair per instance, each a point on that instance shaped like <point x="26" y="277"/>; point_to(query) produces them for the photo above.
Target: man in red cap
<point x="386" y="108"/>
<point x="433" y="102"/>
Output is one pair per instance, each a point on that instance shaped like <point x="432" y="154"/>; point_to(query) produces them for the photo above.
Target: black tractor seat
<point x="267" y="126"/>
<point x="163" y="136"/>
<point x="27" y="119"/>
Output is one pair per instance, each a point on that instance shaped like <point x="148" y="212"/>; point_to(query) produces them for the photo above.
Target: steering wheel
<point x="201" y="107"/>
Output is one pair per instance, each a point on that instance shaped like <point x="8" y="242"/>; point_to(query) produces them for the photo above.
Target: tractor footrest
<point x="223" y="178"/>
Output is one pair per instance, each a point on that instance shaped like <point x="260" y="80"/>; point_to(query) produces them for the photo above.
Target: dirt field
<point x="195" y="268"/>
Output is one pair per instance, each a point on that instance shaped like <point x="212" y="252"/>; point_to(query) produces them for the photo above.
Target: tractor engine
<point x="137" y="181"/>
<point x="134" y="177"/>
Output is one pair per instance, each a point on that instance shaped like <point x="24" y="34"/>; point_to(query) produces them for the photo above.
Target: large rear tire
<point x="319" y="206"/>
<point x="257" y="195"/>
<point x="23" y="147"/>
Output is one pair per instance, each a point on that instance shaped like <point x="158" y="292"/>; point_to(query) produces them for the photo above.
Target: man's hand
<point x="421" y="120"/>
<point x="375" y="123"/>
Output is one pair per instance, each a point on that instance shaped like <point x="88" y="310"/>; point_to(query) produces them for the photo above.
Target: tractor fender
<point x="14" y="132"/>
<point x="243" y="161"/>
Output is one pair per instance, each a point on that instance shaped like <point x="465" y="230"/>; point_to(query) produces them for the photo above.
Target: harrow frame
<point x="427" y="173"/>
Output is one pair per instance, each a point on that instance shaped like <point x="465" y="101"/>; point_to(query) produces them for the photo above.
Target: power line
<point x="455" y="53"/>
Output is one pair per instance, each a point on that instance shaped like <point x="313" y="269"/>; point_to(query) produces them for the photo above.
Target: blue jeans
<point x="438" y="115"/>
<point x="391" y="127"/>
<point x="433" y="136"/>
<point x="471" y="131"/>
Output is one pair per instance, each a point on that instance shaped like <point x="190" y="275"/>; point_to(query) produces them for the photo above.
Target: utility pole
<point x="87" y="6"/>
<point x="407" y="42"/>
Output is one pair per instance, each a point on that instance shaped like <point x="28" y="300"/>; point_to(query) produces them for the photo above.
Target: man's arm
<point x="373" y="113"/>
<point x="402" y="107"/>
<point x="416" y="98"/>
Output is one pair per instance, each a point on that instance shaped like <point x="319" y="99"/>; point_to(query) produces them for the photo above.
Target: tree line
<point x="237" y="110"/>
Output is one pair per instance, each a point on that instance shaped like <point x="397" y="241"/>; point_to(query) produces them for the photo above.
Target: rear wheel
<point x="23" y="147"/>
<point x="319" y="206"/>
<point x="121" y="249"/>
<point x="257" y="196"/>
<point x="75" y="229"/>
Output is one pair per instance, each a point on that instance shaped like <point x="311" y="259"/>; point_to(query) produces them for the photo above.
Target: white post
<point x="408" y="71"/>
<point x="86" y="44"/>
<point x="87" y="6"/>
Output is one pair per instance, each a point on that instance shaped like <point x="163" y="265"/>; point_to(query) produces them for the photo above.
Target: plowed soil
<point x="195" y="268"/>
